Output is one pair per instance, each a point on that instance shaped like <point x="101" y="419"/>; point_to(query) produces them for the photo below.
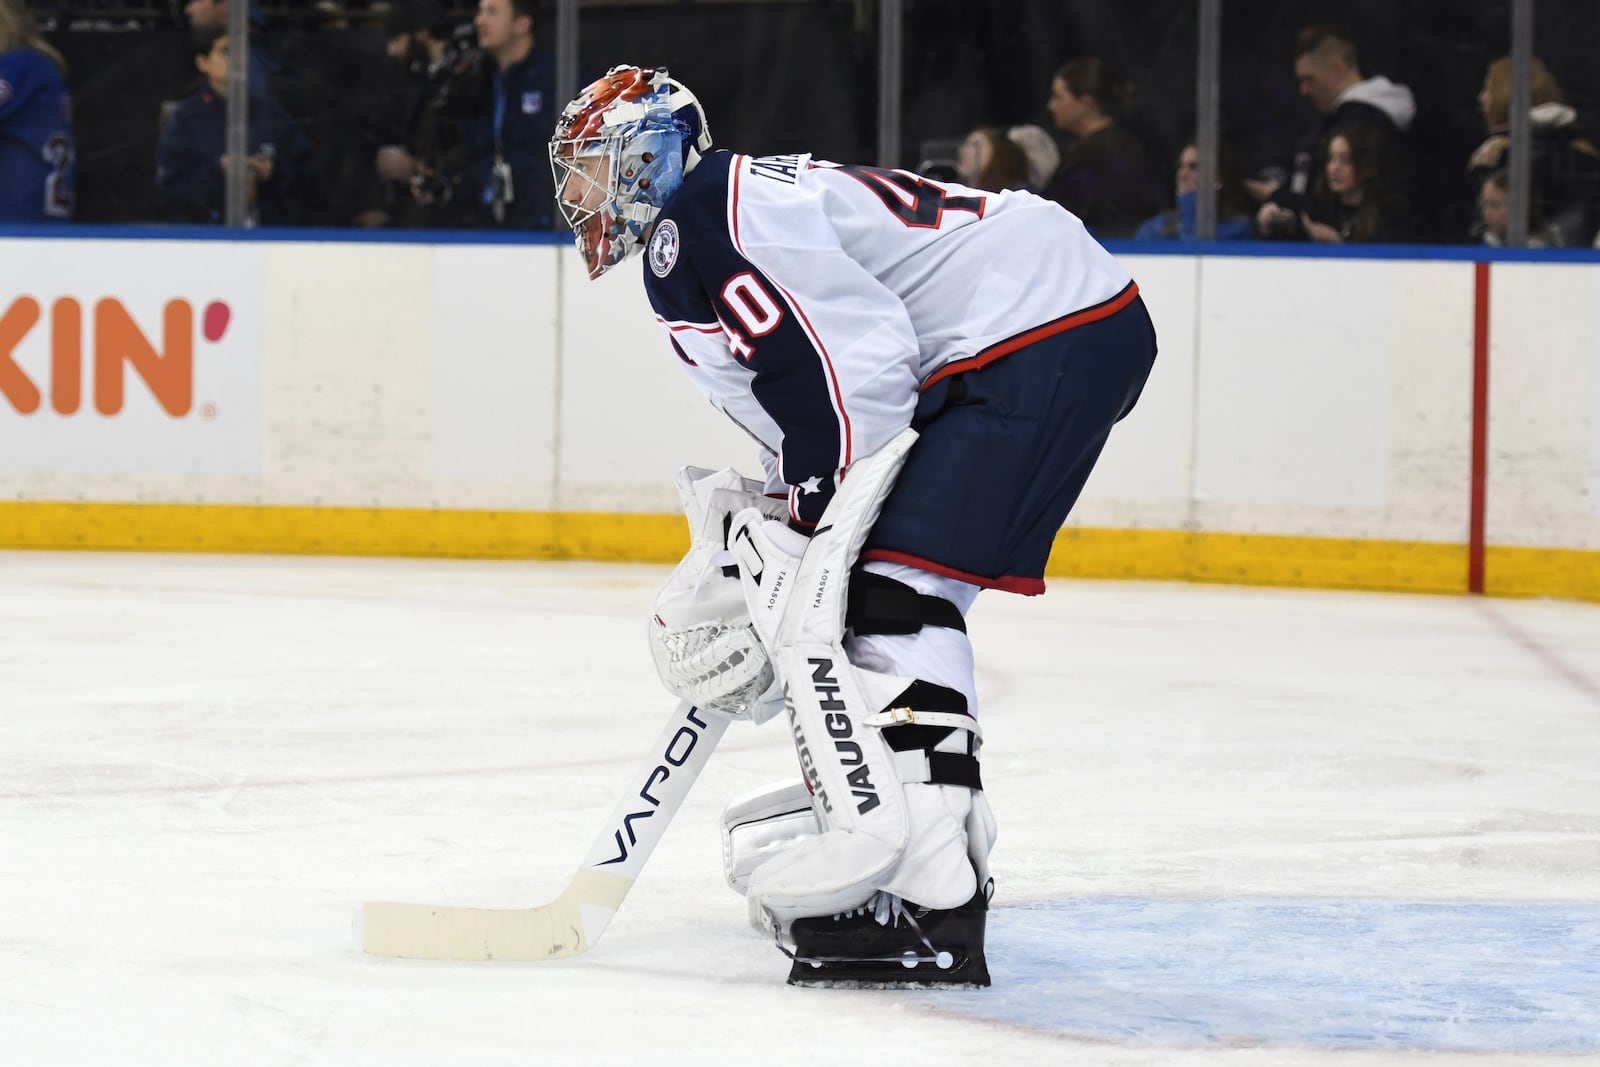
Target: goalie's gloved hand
<point x="704" y="647"/>
<point x="700" y="635"/>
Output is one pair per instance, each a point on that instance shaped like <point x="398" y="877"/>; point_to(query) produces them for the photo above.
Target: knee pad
<point x="891" y="757"/>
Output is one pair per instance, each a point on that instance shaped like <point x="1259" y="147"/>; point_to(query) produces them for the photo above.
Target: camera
<point x="435" y="187"/>
<point x="453" y="92"/>
<point x="458" y="80"/>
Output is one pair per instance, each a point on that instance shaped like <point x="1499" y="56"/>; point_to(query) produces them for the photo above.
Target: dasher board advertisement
<point x="131" y="357"/>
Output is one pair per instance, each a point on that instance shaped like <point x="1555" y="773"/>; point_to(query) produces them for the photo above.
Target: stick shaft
<point x="575" y="920"/>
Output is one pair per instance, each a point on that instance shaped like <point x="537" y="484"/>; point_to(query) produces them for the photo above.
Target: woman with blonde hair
<point x="36" y="149"/>
<point x="1565" y="162"/>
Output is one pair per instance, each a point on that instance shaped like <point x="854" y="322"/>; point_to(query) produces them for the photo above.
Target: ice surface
<point x="1237" y="826"/>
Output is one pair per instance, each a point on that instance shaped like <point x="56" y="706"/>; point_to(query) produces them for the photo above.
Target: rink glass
<point x="808" y="76"/>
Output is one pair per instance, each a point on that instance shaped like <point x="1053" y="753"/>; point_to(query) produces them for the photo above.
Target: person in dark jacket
<point x="1352" y="202"/>
<point x="1565" y="162"/>
<point x="510" y="164"/>
<point x="1104" y="178"/>
<point x="191" y="154"/>
<point x="1328" y="72"/>
<point x="446" y="91"/>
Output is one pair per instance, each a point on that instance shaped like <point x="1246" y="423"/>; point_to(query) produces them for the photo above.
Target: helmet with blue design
<point x="619" y="151"/>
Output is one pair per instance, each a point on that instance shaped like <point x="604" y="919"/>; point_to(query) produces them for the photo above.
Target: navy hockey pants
<point x="1006" y="447"/>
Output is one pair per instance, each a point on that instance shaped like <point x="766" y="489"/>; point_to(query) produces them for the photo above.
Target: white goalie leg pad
<point x="951" y="825"/>
<point x="798" y="607"/>
<point x="981" y="834"/>
<point x="859" y="801"/>
<point x="888" y="825"/>
<point x="936" y="870"/>
<point x="759" y="823"/>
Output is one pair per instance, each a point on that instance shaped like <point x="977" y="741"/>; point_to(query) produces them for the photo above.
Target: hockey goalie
<point x="932" y="371"/>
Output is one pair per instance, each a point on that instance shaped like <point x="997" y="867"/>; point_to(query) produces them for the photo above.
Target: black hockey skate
<point x="893" y="944"/>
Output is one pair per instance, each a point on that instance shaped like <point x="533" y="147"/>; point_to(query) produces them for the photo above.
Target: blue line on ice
<point x="1373" y="974"/>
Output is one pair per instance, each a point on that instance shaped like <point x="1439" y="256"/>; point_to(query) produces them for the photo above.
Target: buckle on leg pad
<point x="903" y="716"/>
<point x="914" y="725"/>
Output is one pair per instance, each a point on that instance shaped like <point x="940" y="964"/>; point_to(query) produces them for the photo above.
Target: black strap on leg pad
<point x="880" y="605"/>
<point x="944" y="768"/>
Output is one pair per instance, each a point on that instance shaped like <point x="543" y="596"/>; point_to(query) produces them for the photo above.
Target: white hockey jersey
<point x="813" y="301"/>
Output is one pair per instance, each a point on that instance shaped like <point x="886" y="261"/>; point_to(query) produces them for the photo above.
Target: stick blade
<point x="565" y="927"/>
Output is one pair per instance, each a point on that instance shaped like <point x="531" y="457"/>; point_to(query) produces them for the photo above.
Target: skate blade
<point x="962" y="972"/>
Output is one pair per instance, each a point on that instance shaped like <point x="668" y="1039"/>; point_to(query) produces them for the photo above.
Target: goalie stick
<point x="574" y="921"/>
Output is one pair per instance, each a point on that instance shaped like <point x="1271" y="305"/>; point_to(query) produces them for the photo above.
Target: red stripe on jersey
<point x="697" y="327"/>
<point x="792" y="495"/>
<point x="733" y="209"/>
<point x="833" y="379"/>
<point x="1006" y="583"/>
<point x="1038" y="333"/>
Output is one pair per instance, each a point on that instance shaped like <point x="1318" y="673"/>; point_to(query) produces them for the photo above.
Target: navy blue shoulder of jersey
<point x="698" y="211"/>
<point x="706" y="278"/>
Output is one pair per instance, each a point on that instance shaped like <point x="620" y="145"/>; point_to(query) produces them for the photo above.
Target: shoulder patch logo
<point x="663" y="251"/>
<point x="5" y="90"/>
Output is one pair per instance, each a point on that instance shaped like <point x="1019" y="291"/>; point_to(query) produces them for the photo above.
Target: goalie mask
<point x="619" y="151"/>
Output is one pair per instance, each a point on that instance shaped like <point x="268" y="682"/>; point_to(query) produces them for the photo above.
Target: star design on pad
<point x="811" y="485"/>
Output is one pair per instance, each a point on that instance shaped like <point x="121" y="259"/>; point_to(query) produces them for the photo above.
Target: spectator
<point x="340" y="99"/>
<point x="191" y="155"/>
<point x="37" y="152"/>
<point x="989" y="160"/>
<point x="1494" y="215"/>
<point x="1352" y="203"/>
<point x="1104" y="178"/>
<point x="507" y="149"/>
<point x="1233" y="203"/>
<point x="1329" y="75"/>
<point x="1040" y="148"/>
<point x="324" y="87"/>
<point x="448" y="88"/>
<point x="1565" y="163"/>
<point x="206" y="15"/>
<point x="211" y="16"/>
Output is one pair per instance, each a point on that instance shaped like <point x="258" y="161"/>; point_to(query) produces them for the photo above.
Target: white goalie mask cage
<point x="620" y="149"/>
